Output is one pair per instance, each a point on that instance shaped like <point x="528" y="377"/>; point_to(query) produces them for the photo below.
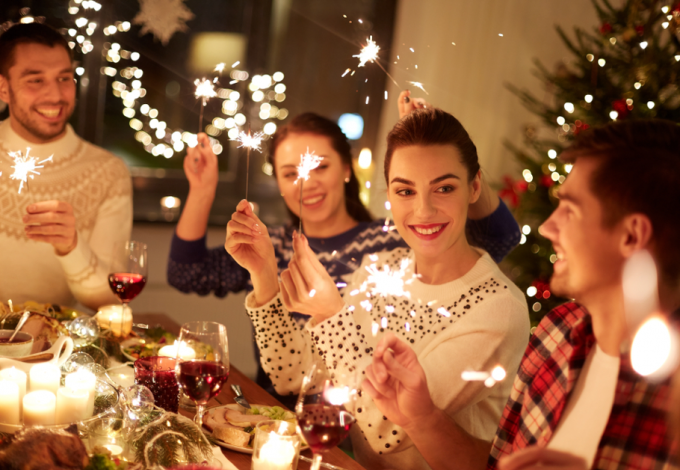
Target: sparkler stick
<point x="25" y="167"/>
<point x="308" y="162"/>
<point x="250" y="142"/>
<point x="369" y="53"/>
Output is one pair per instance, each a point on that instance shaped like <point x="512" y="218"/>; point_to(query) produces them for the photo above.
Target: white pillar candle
<point x="18" y="377"/>
<point x="39" y="408"/>
<point x="71" y="405"/>
<point x="45" y="377"/>
<point x="186" y="353"/>
<point x="10" y="410"/>
<point x="115" y="450"/>
<point x="83" y="380"/>
<point x="275" y="454"/>
<point x="112" y="317"/>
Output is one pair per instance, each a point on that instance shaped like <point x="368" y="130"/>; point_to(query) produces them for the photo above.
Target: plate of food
<point x="233" y="426"/>
<point x="154" y="338"/>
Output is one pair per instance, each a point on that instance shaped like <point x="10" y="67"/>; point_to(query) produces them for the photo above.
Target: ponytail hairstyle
<point x="310" y="123"/>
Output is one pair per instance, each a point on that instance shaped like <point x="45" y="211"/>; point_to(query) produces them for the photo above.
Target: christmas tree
<point x="625" y="69"/>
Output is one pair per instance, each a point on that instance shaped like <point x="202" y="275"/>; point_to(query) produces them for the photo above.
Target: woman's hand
<point x="396" y="381"/>
<point x="306" y="287"/>
<point x="407" y="105"/>
<point x="541" y="458"/>
<point x="200" y="167"/>
<point x="249" y="244"/>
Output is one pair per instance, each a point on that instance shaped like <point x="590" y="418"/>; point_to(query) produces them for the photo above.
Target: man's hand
<point x="541" y="458"/>
<point x="306" y="286"/>
<point x="396" y="381"/>
<point x="52" y="222"/>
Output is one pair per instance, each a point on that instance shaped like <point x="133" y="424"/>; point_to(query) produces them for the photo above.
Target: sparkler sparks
<point x="205" y="89"/>
<point x="25" y="167"/>
<point x="419" y="85"/>
<point x="368" y="53"/>
<point x="219" y="68"/>
<point x="249" y="142"/>
<point x="385" y="281"/>
<point x="308" y="162"/>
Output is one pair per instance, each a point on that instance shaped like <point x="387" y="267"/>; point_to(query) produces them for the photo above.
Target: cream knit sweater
<point x="484" y="322"/>
<point x="97" y="184"/>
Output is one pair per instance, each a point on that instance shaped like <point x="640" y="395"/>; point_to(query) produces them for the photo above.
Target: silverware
<point x="239" y="398"/>
<point x="22" y="320"/>
<point x="323" y="464"/>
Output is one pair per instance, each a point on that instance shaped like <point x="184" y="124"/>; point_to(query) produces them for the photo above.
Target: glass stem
<point x="198" y="419"/>
<point x="122" y="318"/>
<point x="316" y="462"/>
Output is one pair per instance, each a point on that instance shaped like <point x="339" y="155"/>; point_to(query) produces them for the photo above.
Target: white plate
<point x="243" y="450"/>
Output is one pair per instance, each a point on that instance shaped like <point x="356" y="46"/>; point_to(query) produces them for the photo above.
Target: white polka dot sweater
<point x="473" y="323"/>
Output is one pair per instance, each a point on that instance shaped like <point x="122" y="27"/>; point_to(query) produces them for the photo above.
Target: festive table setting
<point x="121" y="391"/>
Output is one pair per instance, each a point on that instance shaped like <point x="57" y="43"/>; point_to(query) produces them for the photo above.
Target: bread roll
<point x="231" y="435"/>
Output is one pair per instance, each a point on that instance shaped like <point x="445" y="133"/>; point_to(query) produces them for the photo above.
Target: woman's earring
<point x="347" y="180"/>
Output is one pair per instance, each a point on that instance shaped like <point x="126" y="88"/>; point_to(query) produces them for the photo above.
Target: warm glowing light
<point x="368" y="53"/>
<point x="250" y="141"/>
<point x="205" y="89"/>
<point x="25" y="166"/>
<point x="337" y="395"/>
<point x="654" y="348"/>
<point x="308" y="162"/>
<point x="365" y="158"/>
<point x="419" y="85"/>
<point x="385" y="281"/>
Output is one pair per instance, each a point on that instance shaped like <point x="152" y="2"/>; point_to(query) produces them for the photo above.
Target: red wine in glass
<point x="126" y="286"/>
<point x="324" y="426"/>
<point x="202" y="380"/>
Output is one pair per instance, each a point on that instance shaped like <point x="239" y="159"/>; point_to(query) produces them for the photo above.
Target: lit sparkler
<point x="419" y="85"/>
<point x="369" y="53"/>
<point x="219" y="68"/>
<point x="308" y="162"/>
<point x="385" y="281"/>
<point x="490" y="379"/>
<point x="205" y="89"/>
<point x="25" y="167"/>
<point x="249" y="142"/>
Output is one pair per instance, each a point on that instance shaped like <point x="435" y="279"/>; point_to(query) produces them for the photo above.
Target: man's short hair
<point x="638" y="171"/>
<point x="31" y="33"/>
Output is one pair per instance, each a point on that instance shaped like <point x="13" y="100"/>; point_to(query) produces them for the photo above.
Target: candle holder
<point x="109" y="433"/>
<point x="116" y="318"/>
<point x="157" y="373"/>
<point x="276" y="446"/>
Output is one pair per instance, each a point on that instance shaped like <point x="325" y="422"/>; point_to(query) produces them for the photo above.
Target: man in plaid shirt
<point x="576" y="402"/>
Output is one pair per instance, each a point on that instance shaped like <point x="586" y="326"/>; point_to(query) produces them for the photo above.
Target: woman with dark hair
<point x="460" y="311"/>
<point x="337" y="225"/>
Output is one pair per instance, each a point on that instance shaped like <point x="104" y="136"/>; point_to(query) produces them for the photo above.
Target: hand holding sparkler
<point x="396" y="382"/>
<point x="249" y="244"/>
<point x="52" y="222"/>
<point x="200" y="167"/>
<point x="306" y="286"/>
<point x="407" y="105"/>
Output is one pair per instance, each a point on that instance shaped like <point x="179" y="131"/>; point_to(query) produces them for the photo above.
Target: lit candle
<point x="275" y="454"/>
<point x="10" y="411"/>
<point x="115" y="318"/>
<point x="39" y="408"/>
<point x="186" y="353"/>
<point x="18" y="377"/>
<point x="114" y="449"/>
<point x="83" y="380"/>
<point x="71" y="405"/>
<point x="45" y="377"/>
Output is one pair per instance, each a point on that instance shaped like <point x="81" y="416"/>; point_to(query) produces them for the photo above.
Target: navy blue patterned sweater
<point x="193" y="267"/>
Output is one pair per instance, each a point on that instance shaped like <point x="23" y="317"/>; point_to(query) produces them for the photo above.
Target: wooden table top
<point x="255" y="394"/>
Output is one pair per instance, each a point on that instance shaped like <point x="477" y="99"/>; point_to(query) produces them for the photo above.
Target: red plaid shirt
<point x="636" y="436"/>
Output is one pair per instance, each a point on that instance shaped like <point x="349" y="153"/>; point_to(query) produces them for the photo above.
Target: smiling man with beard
<point x="57" y="235"/>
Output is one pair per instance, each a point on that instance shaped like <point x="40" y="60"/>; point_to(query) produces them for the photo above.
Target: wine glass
<point x="202" y="368"/>
<point x="325" y="409"/>
<point x="129" y="265"/>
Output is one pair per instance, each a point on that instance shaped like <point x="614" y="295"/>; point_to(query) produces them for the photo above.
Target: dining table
<point x="254" y="394"/>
